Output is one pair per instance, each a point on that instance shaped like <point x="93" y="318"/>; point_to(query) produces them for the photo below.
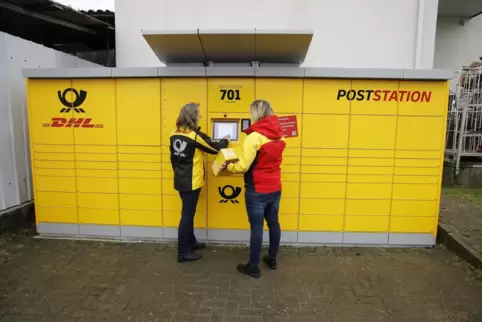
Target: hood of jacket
<point x="269" y="127"/>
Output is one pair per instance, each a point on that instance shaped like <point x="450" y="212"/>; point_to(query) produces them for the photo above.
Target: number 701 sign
<point x="230" y="94"/>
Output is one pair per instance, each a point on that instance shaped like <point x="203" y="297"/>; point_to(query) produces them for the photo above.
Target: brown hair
<point x="260" y="109"/>
<point x="187" y="118"/>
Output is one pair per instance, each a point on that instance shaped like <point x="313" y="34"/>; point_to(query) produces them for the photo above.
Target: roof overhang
<point x="461" y="9"/>
<point x="230" y="46"/>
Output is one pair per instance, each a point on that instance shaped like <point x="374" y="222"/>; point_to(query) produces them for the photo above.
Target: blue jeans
<point x="261" y="206"/>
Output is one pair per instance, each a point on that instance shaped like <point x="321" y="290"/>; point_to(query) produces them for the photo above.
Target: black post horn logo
<point x="233" y="194"/>
<point x="78" y="100"/>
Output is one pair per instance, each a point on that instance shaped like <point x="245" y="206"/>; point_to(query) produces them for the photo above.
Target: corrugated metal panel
<point x="15" y="165"/>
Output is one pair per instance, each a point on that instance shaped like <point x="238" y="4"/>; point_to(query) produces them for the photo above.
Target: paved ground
<point x="463" y="218"/>
<point x="59" y="280"/>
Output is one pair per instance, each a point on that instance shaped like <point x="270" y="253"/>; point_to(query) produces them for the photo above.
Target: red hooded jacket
<point x="262" y="156"/>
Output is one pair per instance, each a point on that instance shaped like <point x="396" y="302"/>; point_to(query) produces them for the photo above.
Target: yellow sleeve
<point x="250" y="148"/>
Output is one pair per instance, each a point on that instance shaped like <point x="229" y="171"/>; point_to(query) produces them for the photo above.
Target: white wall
<point x="15" y="54"/>
<point x="348" y="33"/>
<point x="458" y="45"/>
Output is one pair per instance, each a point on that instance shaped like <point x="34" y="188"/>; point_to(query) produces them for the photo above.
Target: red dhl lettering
<point x="385" y="95"/>
<point x="85" y="123"/>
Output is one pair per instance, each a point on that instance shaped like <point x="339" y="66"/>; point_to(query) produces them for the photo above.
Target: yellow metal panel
<point x="369" y="190"/>
<point x="378" y="102"/>
<point x="169" y="174"/>
<point x="420" y="133"/>
<point x="140" y="174"/>
<point x="98" y="200"/>
<point x="323" y="161"/>
<point x="287" y="177"/>
<point x="171" y="219"/>
<point x="417" y="171"/>
<point x="370" y="178"/>
<point x="372" y="132"/>
<point x="179" y="91"/>
<point x="103" y="149"/>
<point x="141" y="202"/>
<point x="98" y="216"/>
<point x="141" y="218"/>
<point x="289" y="168"/>
<point x="99" y="185"/>
<point x="425" y="98"/>
<point x="287" y="222"/>
<point x="367" y="153"/>
<point x="368" y="207"/>
<point x="289" y="205"/>
<point x="96" y="173"/>
<point x="137" y="98"/>
<point x="329" y="153"/>
<point x="284" y="95"/>
<point x="321" y="223"/>
<point x="44" y="105"/>
<point x="140" y="186"/>
<point x="322" y="178"/>
<point x="416" y="179"/>
<point x="323" y="169"/>
<point x="415" y="191"/>
<point x="168" y="187"/>
<point x="140" y="157"/>
<point x="95" y="157"/>
<point x="291" y="160"/>
<point x="56" y="215"/>
<point x="325" y="131"/>
<point x="56" y="199"/>
<point x="412" y="224"/>
<point x="370" y="170"/>
<point x="96" y="165"/>
<point x="140" y="166"/>
<point x="433" y="163"/>
<point x="291" y="189"/>
<point x="139" y="149"/>
<point x="322" y="206"/>
<point x="291" y="152"/>
<point x="55" y="184"/>
<point x="322" y="190"/>
<point x="230" y="94"/>
<point x="52" y="148"/>
<point x="414" y="208"/>
<point x="417" y="154"/>
<point x="321" y="96"/>
<point x="54" y="172"/>
<point x="54" y="164"/>
<point x="371" y="162"/>
<point x="100" y="106"/>
<point x="366" y="223"/>
<point x="53" y="156"/>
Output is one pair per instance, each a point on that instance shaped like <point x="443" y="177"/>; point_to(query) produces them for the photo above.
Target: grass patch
<point x="463" y="194"/>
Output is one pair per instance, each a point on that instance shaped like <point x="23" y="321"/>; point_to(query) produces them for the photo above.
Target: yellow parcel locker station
<point x="362" y="165"/>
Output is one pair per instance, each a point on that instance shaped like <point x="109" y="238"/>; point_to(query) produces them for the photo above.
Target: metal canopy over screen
<point x="238" y="46"/>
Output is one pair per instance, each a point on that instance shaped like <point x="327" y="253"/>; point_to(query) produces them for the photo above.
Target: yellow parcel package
<point x="229" y="155"/>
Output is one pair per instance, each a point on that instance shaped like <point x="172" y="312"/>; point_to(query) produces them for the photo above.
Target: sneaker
<point x="271" y="263"/>
<point x="247" y="269"/>
<point x="189" y="257"/>
<point x="198" y="246"/>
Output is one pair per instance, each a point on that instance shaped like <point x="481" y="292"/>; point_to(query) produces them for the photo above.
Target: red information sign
<point x="289" y="126"/>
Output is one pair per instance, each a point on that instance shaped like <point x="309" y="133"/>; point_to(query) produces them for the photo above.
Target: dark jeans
<point x="186" y="237"/>
<point x="261" y="206"/>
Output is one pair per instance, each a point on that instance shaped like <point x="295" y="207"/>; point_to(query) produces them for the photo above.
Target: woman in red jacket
<point x="260" y="162"/>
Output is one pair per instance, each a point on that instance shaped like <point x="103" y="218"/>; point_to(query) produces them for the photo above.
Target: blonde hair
<point x="187" y="118"/>
<point x="260" y="109"/>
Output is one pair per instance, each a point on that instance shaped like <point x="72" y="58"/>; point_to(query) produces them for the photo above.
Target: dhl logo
<point x="73" y="122"/>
